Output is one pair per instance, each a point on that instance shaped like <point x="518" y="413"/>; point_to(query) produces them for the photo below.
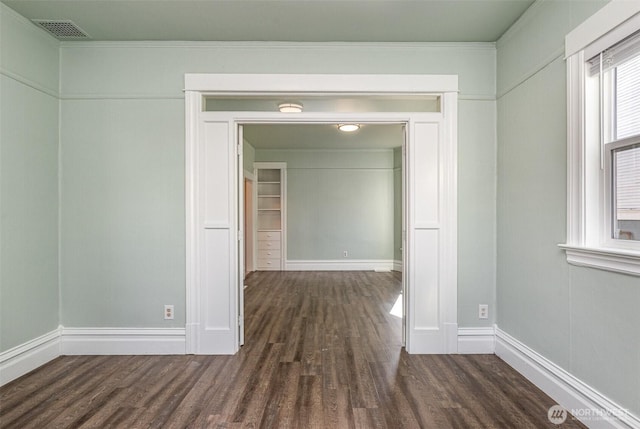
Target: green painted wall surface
<point x="123" y="221"/>
<point x="397" y="204"/>
<point x="476" y="211"/>
<point x="150" y="77"/>
<point x="582" y="319"/>
<point x="146" y="69"/>
<point x="28" y="53"/>
<point x="248" y="156"/>
<point x="332" y="207"/>
<point x="28" y="182"/>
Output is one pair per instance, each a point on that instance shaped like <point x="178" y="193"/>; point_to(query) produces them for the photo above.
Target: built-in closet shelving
<point x="270" y="207"/>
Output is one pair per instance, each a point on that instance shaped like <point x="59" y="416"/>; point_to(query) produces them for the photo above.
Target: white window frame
<point x="589" y="240"/>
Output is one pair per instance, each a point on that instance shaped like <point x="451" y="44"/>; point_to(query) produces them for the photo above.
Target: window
<point x="626" y="193"/>
<point x="617" y="71"/>
<point x="603" y="71"/>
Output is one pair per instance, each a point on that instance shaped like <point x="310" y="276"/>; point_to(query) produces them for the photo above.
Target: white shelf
<point x="270" y="211"/>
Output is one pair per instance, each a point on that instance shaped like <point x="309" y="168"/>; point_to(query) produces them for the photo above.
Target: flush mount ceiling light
<point x="290" y="107"/>
<point x="348" y="128"/>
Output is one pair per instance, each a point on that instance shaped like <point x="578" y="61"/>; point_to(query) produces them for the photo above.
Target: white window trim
<point x="586" y="201"/>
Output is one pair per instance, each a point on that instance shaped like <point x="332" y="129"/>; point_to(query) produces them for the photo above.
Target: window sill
<point x="616" y="260"/>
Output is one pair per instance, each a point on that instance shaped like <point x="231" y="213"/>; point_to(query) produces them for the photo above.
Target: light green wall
<point x="28" y="181"/>
<point x="248" y="156"/>
<point x="397" y="204"/>
<point x="476" y="211"/>
<point x="123" y="220"/>
<point x="28" y="54"/>
<point x="582" y="319"/>
<point x="336" y="201"/>
<point x="145" y="80"/>
<point x="147" y="69"/>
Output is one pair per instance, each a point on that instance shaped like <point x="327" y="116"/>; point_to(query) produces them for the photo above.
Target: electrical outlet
<point x="168" y="312"/>
<point x="483" y="311"/>
<point x="345" y="253"/>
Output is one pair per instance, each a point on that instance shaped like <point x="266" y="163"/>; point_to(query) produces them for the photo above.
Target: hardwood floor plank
<point x="321" y="351"/>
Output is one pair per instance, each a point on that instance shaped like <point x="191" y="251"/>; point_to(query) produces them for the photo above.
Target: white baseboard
<point x="123" y="341"/>
<point x="397" y="265"/>
<point x="340" y="265"/>
<point x="477" y="341"/>
<point x="26" y="357"/>
<point x="587" y="404"/>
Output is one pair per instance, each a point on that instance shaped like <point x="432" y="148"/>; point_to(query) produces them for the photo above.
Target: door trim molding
<point x="436" y="333"/>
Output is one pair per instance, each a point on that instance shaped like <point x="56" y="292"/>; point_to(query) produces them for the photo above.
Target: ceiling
<point x="283" y="20"/>
<point x="322" y="136"/>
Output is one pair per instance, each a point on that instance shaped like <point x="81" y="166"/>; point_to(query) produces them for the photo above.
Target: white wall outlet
<point x="483" y="311"/>
<point x="345" y="253"/>
<point x="168" y="312"/>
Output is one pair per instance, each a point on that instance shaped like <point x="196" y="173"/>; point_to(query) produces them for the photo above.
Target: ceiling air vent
<point x="61" y="29"/>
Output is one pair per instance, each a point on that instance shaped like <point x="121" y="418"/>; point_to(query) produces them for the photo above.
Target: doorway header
<point x="320" y="83"/>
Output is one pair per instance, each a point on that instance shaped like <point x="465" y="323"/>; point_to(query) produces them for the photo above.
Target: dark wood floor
<point x="322" y="351"/>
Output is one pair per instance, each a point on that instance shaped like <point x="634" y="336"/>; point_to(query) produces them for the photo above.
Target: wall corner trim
<point x="476" y="340"/>
<point x="28" y="356"/>
<point x="596" y="410"/>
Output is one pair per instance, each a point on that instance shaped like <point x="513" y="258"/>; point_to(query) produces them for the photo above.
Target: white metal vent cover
<point x="61" y="29"/>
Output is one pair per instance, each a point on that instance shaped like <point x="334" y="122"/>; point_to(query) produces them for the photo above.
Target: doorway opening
<point x="215" y="235"/>
<point x="340" y="208"/>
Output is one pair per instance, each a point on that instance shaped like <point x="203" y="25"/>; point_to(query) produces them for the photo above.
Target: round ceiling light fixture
<point x="290" y="107"/>
<point x="348" y="128"/>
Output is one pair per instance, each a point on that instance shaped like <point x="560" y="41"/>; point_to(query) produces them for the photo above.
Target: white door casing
<point x="213" y="179"/>
<point x="241" y="233"/>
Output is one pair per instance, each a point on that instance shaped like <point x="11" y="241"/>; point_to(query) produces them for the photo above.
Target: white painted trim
<point x="28" y="356"/>
<point x="449" y="220"/>
<point x="193" y="105"/>
<point x="563" y="387"/>
<point x="427" y="340"/>
<point x="301" y="83"/>
<point x="340" y="265"/>
<point x="476" y="341"/>
<point x="122" y="341"/>
<point x="612" y="15"/>
<point x="587" y="226"/>
<point x="397" y="265"/>
<point x="605" y="259"/>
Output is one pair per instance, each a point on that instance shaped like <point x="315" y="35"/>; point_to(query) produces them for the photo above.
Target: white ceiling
<point x="316" y="136"/>
<point x="283" y="20"/>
